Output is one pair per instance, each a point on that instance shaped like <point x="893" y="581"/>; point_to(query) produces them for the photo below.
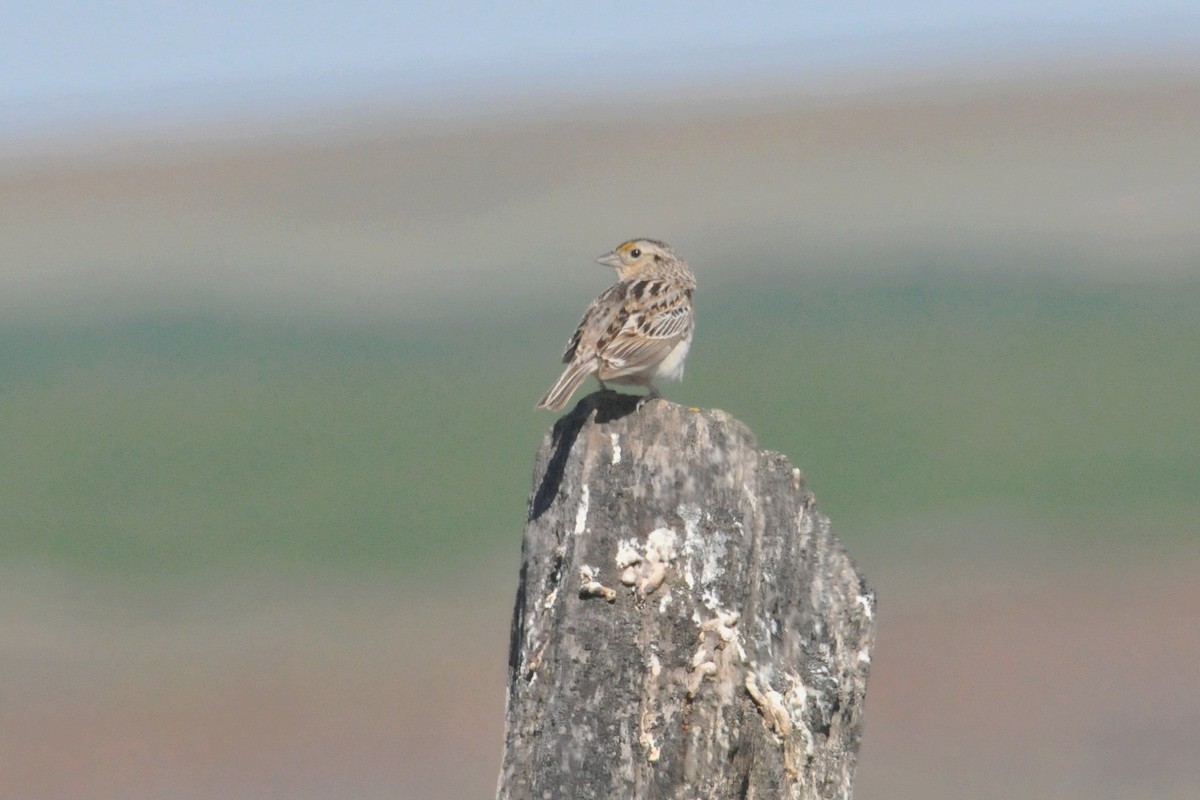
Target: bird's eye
<point x="635" y="253"/>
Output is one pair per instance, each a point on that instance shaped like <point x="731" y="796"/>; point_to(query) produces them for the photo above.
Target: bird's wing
<point x="655" y="316"/>
<point x="598" y="318"/>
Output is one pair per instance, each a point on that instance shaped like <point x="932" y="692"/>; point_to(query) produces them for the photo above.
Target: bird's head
<point x="636" y="256"/>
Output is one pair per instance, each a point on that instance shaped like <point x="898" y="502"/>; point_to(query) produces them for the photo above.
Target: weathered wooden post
<point x="686" y="625"/>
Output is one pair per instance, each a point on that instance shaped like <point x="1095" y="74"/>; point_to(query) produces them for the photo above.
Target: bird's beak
<point x="612" y="259"/>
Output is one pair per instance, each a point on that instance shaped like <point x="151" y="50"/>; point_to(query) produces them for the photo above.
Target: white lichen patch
<point x="582" y="511"/>
<point x="701" y="669"/>
<point x="867" y="602"/>
<point x="723" y="625"/>
<point x="704" y="556"/>
<point x="710" y="598"/>
<point x="804" y="523"/>
<point x="650" y="717"/>
<point x="661" y="541"/>
<point x="616" y="448"/>
<point x="646" y="738"/>
<point x="713" y="554"/>
<point x="771" y="705"/>
<point x="628" y="554"/>
<point x="691" y="538"/>
<point x="782" y="714"/>
<point x="712" y="650"/>
<point x="798" y="697"/>
<point x="534" y="663"/>
<point x="590" y="587"/>
<point x="645" y="569"/>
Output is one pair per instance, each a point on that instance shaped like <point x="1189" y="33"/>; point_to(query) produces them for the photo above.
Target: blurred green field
<point x="181" y="443"/>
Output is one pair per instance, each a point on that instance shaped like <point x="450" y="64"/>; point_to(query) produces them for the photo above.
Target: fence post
<point x="686" y="625"/>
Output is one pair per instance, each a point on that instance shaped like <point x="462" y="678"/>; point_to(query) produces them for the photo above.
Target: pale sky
<point x="63" y="63"/>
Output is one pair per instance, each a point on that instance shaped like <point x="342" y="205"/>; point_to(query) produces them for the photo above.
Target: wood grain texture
<point x="686" y="625"/>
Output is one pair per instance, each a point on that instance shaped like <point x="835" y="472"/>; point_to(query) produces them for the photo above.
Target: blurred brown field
<point x="1094" y="177"/>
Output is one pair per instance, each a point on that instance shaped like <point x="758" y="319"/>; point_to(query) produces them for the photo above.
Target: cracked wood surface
<point x="686" y="625"/>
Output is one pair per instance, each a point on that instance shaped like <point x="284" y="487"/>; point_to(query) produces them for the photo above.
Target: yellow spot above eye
<point x="625" y="248"/>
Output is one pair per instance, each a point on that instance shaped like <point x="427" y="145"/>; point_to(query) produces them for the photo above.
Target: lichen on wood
<point x="714" y="638"/>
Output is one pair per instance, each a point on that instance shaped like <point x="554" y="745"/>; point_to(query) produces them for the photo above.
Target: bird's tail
<point x="558" y="394"/>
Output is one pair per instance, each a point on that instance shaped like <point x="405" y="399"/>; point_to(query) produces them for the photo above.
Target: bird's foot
<point x="653" y="394"/>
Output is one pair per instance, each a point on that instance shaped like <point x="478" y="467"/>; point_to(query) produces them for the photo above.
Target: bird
<point x="638" y="330"/>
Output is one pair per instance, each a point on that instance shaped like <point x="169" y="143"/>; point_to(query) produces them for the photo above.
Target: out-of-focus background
<point x="280" y="283"/>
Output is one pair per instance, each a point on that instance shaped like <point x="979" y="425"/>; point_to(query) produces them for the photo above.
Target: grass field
<point x="193" y="443"/>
